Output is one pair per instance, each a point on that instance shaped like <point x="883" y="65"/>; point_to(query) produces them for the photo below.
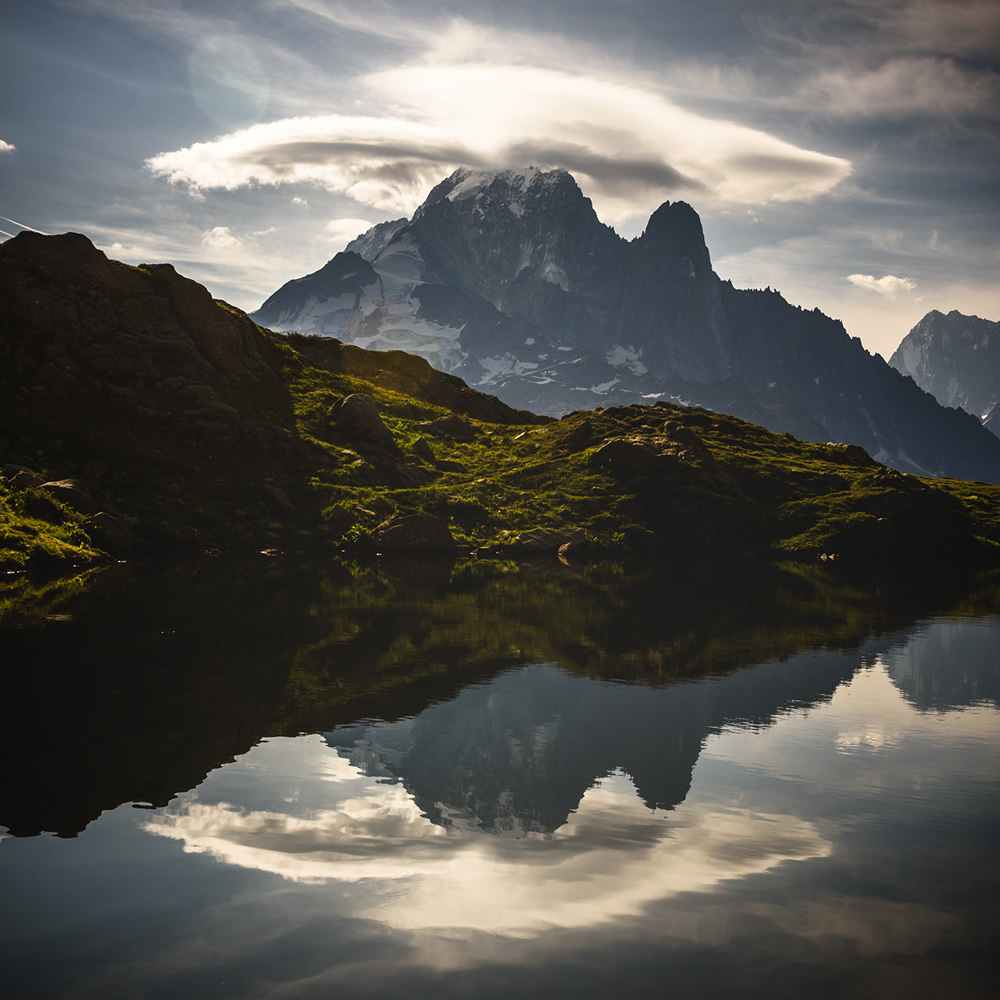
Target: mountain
<point x="956" y="359"/>
<point x="518" y="754"/>
<point x="511" y="281"/>
<point x="137" y="414"/>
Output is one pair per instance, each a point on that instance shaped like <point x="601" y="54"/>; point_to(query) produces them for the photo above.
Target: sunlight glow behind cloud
<point x="628" y="145"/>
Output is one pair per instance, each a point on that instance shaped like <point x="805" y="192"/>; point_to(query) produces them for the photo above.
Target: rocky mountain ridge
<point x="511" y="281"/>
<point x="956" y="358"/>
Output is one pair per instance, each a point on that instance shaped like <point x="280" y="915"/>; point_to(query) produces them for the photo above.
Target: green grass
<point x="38" y="532"/>
<point x="717" y="486"/>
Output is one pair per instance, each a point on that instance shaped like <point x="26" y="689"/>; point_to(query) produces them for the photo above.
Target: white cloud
<point x="342" y="231"/>
<point x="462" y="105"/>
<point x="389" y="164"/>
<point x="220" y="236"/>
<point x="888" y="285"/>
<point x="7" y="147"/>
<point x="914" y="85"/>
<point x="299" y="201"/>
<point x="613" y="856"/>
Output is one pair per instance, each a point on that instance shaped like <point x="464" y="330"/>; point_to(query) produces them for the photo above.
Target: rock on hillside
<point x="143" y="342"/>
<point x="154" y="347"/>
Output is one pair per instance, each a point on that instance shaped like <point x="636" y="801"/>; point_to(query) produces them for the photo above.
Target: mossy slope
<point x="193" y="427"/>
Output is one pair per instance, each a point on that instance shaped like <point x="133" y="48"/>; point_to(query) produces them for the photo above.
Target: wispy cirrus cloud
<point x="925" y="85"/>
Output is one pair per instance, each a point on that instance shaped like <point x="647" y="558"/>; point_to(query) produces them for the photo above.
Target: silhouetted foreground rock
<point x="414" y="533"/>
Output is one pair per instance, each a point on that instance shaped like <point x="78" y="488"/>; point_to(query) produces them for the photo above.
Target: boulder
<point x="452" y="426"/>
<point x="23" y="480"/>
<point x="414" y="533"/>
<point x="634" y="456"/>
<point x="110" y="532"/>
<point x="578" y="438"/>
<point x="422" y="449"/>
<point x="357" y="419"/>
<point x="72" y="493"/>
<point x="548" y="540"/>
<point x="850" y="454"/>
<point x="278" y="495"/>
<point x="11" y="470"/>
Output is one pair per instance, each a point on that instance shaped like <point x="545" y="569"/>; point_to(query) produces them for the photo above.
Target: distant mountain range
<point x="510" y="281"/>
<point x="956" y="359"/>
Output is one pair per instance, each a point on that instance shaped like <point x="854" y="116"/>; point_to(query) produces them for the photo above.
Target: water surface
<point x="271" y="780"/>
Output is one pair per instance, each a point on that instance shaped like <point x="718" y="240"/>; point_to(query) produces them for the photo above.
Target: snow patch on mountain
<point x="372" y="242"/>
<point x="554" y="274"/>
<point x="472" y="183"/>
<point x="626" y="357"/>
<point x="319" y="314"/>
<point x="911" y="356"/>
<point x="503" y="367"/>
<point x="438" y="345"/>
<point x="603" y="388"/>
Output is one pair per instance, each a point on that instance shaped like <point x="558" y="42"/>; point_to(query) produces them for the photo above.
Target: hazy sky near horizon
<point x="844" y="152"/>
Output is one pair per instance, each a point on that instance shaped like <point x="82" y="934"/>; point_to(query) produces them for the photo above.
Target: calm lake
<point x="271" y="778"/>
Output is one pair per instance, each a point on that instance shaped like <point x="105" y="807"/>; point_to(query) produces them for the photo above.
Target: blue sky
<point x="844" y="152"/>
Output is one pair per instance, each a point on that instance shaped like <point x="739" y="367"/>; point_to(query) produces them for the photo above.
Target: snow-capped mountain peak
<point x="509" y="280"/>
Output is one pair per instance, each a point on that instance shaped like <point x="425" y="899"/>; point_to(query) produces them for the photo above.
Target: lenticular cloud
<point x="628" y="146"/>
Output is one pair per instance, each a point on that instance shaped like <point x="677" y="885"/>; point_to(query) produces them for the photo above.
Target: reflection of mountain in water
<point x="136" y="688"/>
<point x="517" y="754"/>
<point x="949" y="664"/>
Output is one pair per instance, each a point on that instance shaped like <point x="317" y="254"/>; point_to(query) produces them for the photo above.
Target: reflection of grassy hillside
<point x="25" y="599"/>
<point x="386" y="648"/>
<point x="134" y="683"/>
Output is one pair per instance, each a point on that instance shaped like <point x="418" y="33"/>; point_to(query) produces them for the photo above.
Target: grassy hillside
<point x="180" y="424"/>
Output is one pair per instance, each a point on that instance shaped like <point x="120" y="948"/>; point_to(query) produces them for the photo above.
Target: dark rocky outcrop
<point x="357" y="419"/>
<point x="72" y="493"/>
<point x="142" y="342"/>
<point x="414" y="533"/>
<point x="452" y="426"/>
<point x="111" y="532"/>
<point x="548" y="540"/>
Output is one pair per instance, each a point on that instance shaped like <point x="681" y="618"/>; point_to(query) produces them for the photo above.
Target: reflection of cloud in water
<point x="877" y="737"/>
<point x="612" y="858"/>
